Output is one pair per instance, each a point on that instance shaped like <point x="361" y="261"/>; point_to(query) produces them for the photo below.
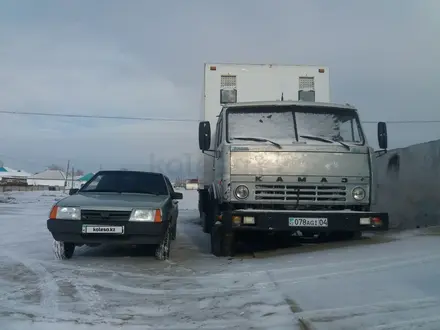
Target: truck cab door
<point x="218" y="151"/>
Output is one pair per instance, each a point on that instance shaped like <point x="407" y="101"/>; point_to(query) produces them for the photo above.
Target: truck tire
<point x="222" y="245"/>
<point x="354" y="235"/>
<point x="210" y="217"/>
<point x="63" y="250"/>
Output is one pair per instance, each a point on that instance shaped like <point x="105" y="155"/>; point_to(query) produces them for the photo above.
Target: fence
<point x="27" y="188"/>
<point x="408" y="185"/>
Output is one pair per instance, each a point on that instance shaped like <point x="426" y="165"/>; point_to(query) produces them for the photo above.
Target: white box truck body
<point x="257" y="82"/>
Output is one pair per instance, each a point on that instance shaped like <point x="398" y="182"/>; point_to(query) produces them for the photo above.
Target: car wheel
<point x="174" y="232"/>
<point x="163" y="249"/>
<point x="63" y="250"/>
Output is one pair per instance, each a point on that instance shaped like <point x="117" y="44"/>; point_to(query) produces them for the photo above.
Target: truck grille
<point x="300" y="193"/>
<point x="105" y="215"/>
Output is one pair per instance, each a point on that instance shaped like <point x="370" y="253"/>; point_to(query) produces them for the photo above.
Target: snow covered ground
<point x="390" y="282"/>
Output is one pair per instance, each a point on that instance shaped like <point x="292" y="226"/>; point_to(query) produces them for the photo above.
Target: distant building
<point x="11" y="177"/>
<point x="51" y="178"/>
<point x="192" y="184"/>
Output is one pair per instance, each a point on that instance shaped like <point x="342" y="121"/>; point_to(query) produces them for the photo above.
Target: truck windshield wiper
<point x="322" y="139"/>
<point x="257" y="139"/>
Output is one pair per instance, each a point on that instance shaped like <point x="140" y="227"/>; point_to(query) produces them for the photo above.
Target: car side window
<point x="169" y="185"/>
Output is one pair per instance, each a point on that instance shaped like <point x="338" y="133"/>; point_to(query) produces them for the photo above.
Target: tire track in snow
<point x="228" y="275"/>
<point x="331" y="314"/>
<point x="211" y="280"/>
<point x="91" y="298"/>
<point x="250" y="285"/>
<point x="428" y="323"/>
<point x="48" y="285"/>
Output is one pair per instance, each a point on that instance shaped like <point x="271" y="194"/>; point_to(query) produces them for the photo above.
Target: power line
<point x="48" y="114"/>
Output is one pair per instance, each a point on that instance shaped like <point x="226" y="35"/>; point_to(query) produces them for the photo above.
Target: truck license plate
<point x="91" y="229"/>
<point x="308" y="222"/>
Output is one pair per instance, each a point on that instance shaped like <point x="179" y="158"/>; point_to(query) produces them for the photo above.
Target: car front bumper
<point x="133" y="232"/>
<point x="316" y="221"/>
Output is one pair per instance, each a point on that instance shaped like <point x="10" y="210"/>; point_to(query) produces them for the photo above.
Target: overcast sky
<point x="145" y="58"/>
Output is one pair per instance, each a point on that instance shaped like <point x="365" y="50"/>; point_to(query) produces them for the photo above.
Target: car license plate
<point x="92" y="229"/>
<point x="308" y="222"/>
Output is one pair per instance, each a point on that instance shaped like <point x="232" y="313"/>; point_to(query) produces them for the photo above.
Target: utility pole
<point x="67" y="173"/>
<point x="73" y="173"/>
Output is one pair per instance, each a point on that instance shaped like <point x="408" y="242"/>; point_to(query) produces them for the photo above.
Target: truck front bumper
<point x="316" y="221"/>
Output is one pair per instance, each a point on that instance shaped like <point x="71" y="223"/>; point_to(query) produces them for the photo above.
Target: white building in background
<point x="8" y="172"/>
<point x="50" y="178"/>
<point x="192" y="184"/>
<point x="9" y="176"/>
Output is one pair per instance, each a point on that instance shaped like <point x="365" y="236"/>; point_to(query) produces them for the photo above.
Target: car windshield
<point x="294" y="123"/>
<point x="127" y="182"/>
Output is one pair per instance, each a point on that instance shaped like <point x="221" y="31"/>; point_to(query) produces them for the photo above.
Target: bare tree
<point x="55" y="167"/>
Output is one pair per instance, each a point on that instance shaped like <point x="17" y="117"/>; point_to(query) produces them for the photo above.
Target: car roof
<point x="129" y="171"/>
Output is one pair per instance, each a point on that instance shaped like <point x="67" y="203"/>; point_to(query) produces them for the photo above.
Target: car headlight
<point x="358" y="193"/>
<point x="65" y="213"/>
<point x="241" y="192"/>
<point x="146" y="215"/>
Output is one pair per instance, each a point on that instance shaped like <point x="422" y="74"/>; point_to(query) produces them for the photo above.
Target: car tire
<point x="222" y="245"/>
<point x="63" y="250"/>
<point x="163" y="249"/>
<point x="174" y="232"/>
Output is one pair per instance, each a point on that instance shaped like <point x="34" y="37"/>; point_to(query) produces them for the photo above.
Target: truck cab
<point x="284" y="167"/>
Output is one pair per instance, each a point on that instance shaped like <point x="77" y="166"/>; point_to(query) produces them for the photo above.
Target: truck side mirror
<point x="204" y="135"/>
<point x="382" y="135"/>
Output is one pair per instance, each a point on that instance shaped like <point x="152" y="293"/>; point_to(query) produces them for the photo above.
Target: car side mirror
<point x="204" y="135"/>
<point x="73" y="191"/>
<point x="177" y="195"/>
<point x="382" y="135"/>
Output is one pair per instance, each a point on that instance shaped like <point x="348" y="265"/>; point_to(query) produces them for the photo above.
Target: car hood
<point x="113" y="201"/>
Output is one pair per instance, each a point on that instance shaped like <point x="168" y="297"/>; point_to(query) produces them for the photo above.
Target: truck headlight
<point x="65" y="213"/>
<point x="241" y="192"/>
<point x="146" y="215"/>
<point x="358" y="193"/>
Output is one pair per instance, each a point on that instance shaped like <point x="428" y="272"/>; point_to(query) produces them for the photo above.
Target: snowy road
<point x="378" y="283"/>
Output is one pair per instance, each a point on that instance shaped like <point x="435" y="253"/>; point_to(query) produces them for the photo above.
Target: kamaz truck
<point x="279" y="158"/>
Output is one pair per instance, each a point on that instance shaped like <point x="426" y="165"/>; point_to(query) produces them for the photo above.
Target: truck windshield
<point x="294" y="123"/>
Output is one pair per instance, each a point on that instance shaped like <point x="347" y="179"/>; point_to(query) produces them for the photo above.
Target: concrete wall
<point x="24" y="188"/>
<point x="408" y="185"/>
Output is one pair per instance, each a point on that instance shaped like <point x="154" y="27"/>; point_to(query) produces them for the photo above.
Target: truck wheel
<point x="210" y="218"/>
<point x="63" y="250"/>
<point x="163" y="249"/>
<point x="354" y="235"/>
<point x="222" y="245"/>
